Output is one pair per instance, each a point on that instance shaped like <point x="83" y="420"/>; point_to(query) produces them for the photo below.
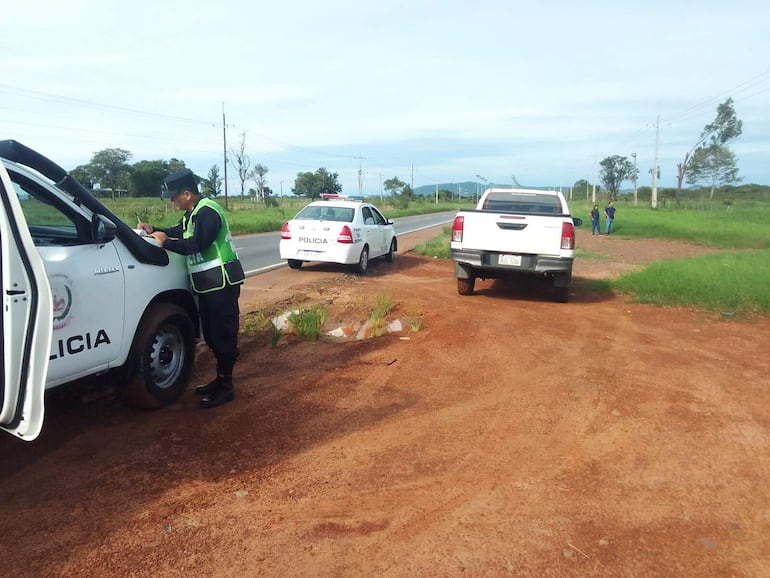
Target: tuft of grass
<point x="382" y="306"/>
<point x="308" y="324"/>
<point x="274" y="334"/>
<point x="255" y="322"/>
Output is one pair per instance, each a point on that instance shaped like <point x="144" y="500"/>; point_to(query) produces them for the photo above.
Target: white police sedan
<point x="338" y="230"/>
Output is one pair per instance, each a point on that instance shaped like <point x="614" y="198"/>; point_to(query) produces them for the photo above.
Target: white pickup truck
<point x="83" y="294"/>
<point x="514" y="232"/>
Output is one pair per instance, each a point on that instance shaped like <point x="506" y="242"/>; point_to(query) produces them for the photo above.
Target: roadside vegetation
<point x="733" y="282"/>
<point x="250" y="216"/>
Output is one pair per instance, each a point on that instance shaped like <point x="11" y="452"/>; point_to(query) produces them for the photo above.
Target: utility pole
<point x="224" y="139"/>
<point x="636" y="173"/>
<point x="437" y="193"/>
<point x="412" y="185"/>
<point x="360" y="174"/>
<point x="655" y="165"/>
<point x="381" y="195"/>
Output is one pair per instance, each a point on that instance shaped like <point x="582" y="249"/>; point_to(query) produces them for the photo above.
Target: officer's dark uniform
<point x="216" y="275"/>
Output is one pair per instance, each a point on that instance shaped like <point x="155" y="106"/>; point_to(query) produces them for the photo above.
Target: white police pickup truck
<point x="83" y="294"/>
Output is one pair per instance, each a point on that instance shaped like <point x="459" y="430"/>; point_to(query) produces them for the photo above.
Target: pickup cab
<point x="83" y="294"/>
<point x="515" y="232"/>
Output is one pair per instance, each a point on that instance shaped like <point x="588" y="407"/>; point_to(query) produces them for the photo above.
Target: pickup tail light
<point x="457" y="229"/>
<point x="568" y="236"/>
<point x="285" y="232"/>
<point x="345" y="235"/>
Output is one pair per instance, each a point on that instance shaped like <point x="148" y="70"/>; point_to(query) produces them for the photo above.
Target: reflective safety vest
<point x="218" y="264"/>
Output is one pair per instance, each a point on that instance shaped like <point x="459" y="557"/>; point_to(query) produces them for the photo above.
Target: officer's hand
<point x="159" y="236"/>
<point x="146" y="227"/>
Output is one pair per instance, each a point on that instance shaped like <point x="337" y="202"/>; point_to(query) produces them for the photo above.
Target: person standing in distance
<point x="216" y="275"/>
<point x="609" y="213"/>
<point x="595" y="227"/>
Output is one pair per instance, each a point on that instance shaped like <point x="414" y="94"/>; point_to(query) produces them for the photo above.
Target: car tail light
<point x="285" y="232"/>
<point x="457" y="229"/>
<point x="567" y="236"/>
<point x="345" y="235"/>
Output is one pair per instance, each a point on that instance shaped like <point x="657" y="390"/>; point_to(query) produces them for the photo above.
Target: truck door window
<point x="50" y="221"/>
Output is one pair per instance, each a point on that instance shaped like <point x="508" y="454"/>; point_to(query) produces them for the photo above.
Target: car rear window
<point x="522" y="203"/>
<point x="323" y="213"/>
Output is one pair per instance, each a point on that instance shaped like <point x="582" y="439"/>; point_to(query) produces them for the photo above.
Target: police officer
<point x="216" y="274"/>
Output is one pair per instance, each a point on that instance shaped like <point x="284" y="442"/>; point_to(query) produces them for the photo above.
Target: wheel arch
<point x="178" y="297"/>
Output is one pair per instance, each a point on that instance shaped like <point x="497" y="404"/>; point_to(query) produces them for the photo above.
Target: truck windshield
<point x="522" y="203"/>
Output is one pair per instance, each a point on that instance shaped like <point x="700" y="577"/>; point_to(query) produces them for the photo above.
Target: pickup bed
<point x="515" y="232"/>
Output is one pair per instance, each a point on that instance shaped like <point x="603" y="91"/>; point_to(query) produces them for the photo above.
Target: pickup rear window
<point x="534" y="203"/>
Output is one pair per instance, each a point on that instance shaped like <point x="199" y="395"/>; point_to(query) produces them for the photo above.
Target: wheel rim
<point x="167" y="356"/>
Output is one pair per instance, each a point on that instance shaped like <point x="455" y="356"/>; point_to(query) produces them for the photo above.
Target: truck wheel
<point x="162" y="357"/>
<point x="561" y="294"/>
<point x="294" y="263"/>
<point x="363" y="261"/>
<point x="390" y="255"/>
<point x="465" y="286"/>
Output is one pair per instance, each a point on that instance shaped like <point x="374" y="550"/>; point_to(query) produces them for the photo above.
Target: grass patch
<point x="734" y="282"/>
<point x="744" y="226"/>
<point x="377" y="315"/>
<point x="439" y="247"/>
<point x="308" y="324"/>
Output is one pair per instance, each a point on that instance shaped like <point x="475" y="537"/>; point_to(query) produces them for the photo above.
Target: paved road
<point x="259" y="253"/>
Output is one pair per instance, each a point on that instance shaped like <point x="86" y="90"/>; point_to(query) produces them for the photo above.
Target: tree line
<point x="110" y="173"/>
<point x="710" y="160"/>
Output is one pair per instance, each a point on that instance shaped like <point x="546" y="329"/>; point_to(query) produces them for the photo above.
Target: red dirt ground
<point x="508" y="436"/>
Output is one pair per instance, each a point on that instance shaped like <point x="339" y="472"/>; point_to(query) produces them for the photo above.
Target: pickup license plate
<point x="514" y="260"/>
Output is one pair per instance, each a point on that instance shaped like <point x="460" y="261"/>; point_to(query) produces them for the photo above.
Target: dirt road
<point x="508" y="436"/>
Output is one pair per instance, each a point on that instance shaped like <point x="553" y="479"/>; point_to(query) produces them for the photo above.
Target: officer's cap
<point x="177" y="182"/>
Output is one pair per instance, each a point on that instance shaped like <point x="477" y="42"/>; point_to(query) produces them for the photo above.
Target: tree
<point x="394" y="186"/>
<point x="725" y="128"/>
<point x="147" y="178"/>
<point x="212" y="185"/>
<point x="82" y="174"/>
<point x="313" y="185"/>
<point x="714" y="164"/>
<point x="110" y="167"/>
<point x="615" y="170"/>
<point x="241" y="161"/>
<point x="258" y="175"/>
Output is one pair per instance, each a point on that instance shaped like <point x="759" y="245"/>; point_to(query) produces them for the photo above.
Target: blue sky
<point x="428" y="91"/>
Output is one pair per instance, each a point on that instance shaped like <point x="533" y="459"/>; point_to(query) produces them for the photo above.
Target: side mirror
<point x="388" y="221"/>
<point x="577" y="221"/>
<point x="102" y="229"/>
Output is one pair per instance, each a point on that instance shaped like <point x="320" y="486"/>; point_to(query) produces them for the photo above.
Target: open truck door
<point x="27" y="315"/>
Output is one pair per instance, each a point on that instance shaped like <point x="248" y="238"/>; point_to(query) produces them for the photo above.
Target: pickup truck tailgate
<point x="508" y="233"/>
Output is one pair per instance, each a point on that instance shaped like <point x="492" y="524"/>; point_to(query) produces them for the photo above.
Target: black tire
<point x="561" y="294"/>
<point x="294" y="263"/>
<point x="466" y="286"/>
<point x="162" y="357"/>
<point x="363" y="261"/>
<point x="390" y="255"/>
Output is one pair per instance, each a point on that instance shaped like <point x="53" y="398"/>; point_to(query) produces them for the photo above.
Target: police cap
<point x="177" y="182"/>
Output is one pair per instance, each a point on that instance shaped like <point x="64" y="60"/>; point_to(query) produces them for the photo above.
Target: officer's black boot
<point x="222" y="394"/>
<point x="210" y="387"/>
